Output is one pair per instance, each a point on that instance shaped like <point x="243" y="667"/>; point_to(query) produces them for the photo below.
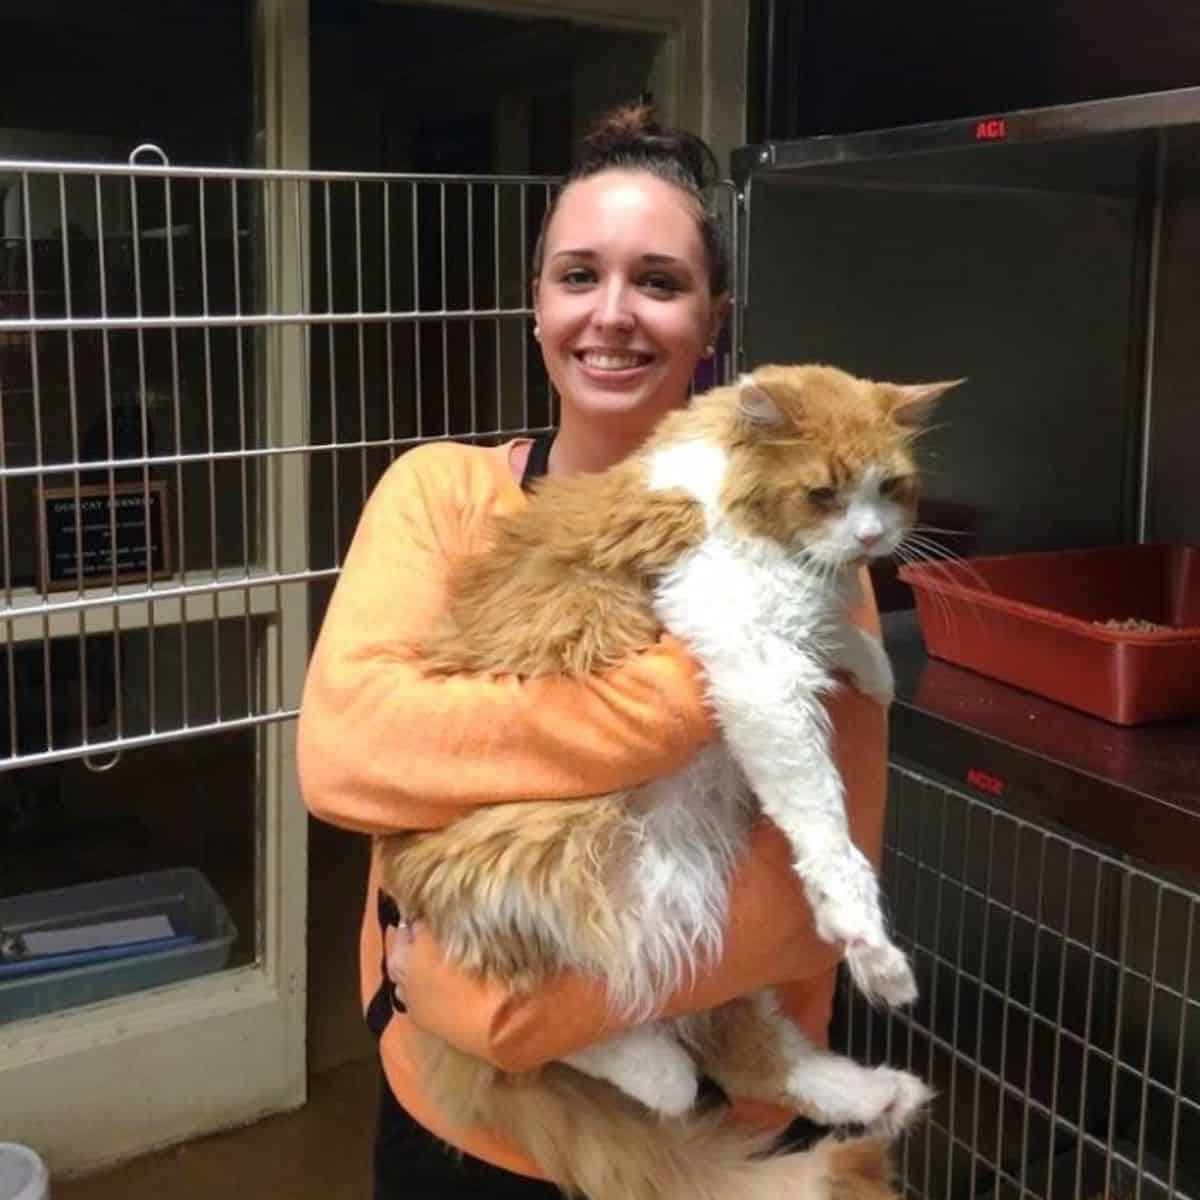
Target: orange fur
<point x="594" y="1142"/>
<point x="567" y="587"/>
<point x="834" y="426"/>
<point x="743" y="1048"/>
<point x="558" y="857"/>
<point x="567" y="583"/>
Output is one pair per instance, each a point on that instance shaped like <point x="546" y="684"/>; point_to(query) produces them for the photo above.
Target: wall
<point x="1173" y="513"/>
<point x="843" y="65"/>
<point x="699" y="77"/>
<point x="1027" y="294"/>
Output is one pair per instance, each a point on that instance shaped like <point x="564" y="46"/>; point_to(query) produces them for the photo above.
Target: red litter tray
<point x="1113" y="631"/>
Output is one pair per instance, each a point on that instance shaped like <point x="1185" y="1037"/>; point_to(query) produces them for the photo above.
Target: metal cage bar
<point x="137" y="462"/>
<point x="142" y="542"/>
<point x="1059" y="1019"/>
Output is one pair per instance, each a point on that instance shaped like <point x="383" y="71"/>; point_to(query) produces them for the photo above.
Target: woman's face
<point x="623" y="300"/>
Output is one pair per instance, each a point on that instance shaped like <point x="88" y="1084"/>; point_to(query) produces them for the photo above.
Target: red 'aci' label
<point x="991" y="131"/>
<point x="992" y="784"/>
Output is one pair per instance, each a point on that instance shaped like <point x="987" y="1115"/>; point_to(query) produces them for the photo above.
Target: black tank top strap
<point x="538" y="460"/>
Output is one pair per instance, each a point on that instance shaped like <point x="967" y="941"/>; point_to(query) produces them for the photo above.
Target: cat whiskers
<point x="818" y="569"/>
<point x="935" y="552"/>
<point x="917" y="550"/>
<point x="910" y="557"/>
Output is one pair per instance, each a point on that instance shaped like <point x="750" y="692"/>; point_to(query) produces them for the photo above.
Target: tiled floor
<point x="320" y="1152"/>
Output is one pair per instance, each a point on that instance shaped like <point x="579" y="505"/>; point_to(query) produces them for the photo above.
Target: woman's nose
<point x="613" y="310"/>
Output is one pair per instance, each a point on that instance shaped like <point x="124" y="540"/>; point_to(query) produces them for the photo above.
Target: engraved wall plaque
<point x="95" y="534"/>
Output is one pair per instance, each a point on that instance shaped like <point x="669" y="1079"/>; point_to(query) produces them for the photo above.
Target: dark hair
<point x="630" y="139"/>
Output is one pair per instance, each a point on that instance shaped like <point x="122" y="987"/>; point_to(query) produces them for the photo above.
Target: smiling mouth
<point x="614" y="360"/>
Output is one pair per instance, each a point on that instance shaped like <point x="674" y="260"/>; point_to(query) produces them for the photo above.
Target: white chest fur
<point x="770" y="628"/>
<point x="693" y="831"/>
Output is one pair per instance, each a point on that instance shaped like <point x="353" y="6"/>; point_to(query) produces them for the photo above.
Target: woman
<point x="630" y="289"/>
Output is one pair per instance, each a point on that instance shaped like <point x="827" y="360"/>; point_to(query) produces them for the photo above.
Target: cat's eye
<point x="822" y="497"/>
<point x="891" y="484"/>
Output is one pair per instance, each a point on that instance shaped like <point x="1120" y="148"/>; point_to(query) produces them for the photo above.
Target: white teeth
<point x="612" y="360"/>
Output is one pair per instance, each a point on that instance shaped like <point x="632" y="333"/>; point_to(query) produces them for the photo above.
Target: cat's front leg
<point x="647" y="1063"/>
<point x="843" y="893"/>
<point x="759" y="632"/>
<point x="777" y="728"/>
<point x="862" y="656"/>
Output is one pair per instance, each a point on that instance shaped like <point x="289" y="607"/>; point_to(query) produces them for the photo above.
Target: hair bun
<point x="622" y="128"/>
<point x="630" y="136"/>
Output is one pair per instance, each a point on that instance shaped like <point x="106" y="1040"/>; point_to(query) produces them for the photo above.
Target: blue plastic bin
<point x="203" y="938"/>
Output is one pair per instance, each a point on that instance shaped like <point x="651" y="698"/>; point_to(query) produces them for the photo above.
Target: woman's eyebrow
<point x="655" y="259"/>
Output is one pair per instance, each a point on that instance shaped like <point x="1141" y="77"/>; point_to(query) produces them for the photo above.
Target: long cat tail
<point x="592" y="1140"/>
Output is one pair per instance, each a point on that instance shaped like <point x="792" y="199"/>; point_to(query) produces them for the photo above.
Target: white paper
<point x="103" y="933"/>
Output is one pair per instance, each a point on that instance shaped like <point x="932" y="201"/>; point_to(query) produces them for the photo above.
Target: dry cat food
<point x="1131" y="625"/>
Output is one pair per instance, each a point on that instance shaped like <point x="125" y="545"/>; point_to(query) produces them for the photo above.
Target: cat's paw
<point x="881" y="690"/>
<point x="878" y="684"/>
<point x="842" y="1093"/>
<point x="904" y="1097"/>
<point x="843" y="919"/>
<point x="646" y="1063"/>
<point x="865" y="660"/>
<point x="669" y="1087"/>
<point x="881" y="972"/>
<point x="846" y="912"/>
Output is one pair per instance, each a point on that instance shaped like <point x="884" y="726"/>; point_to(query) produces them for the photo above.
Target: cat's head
<point x="824" y="461"/>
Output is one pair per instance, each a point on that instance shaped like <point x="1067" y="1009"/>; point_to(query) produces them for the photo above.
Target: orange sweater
<point x="384" y="748"/>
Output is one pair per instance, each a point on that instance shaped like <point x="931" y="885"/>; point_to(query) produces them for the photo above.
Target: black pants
<point x="412" y="1164"/>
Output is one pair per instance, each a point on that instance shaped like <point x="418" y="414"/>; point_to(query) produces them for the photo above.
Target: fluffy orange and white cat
<point x="739" y="527"/>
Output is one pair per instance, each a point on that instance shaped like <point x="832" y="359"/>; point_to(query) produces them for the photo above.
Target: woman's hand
<point x="397" y="948"/>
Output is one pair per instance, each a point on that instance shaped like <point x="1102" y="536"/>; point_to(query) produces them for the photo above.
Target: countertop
<point x="1133" y="790"/>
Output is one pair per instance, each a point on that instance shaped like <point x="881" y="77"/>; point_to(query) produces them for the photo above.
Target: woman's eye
<point x="576" y="276"/>
<point x="662" y="284"/>
<point x="823" y="497"/>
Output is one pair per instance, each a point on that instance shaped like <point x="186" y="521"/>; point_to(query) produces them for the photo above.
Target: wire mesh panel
<point x="202" y="375"/>
<point x="453" y="258"/>
<point x="1059" y="1018"/>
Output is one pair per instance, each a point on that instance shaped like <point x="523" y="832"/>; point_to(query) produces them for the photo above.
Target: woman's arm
<point x="383" y="747"/>
<point x="769" y="940"/>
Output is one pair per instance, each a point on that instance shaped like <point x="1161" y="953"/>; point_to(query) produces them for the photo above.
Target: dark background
<point x="836" y="66"/>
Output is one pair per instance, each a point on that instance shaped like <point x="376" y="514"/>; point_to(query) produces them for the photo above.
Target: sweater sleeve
<point x="770" y="939"/>
<point x="384" y="747"/>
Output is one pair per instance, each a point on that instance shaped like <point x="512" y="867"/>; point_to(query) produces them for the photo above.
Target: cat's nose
<point x="867" y="540"/>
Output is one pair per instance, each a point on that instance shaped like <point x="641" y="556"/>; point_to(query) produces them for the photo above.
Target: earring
<point x="710" y="350"/>
<point x="537" y="333"/>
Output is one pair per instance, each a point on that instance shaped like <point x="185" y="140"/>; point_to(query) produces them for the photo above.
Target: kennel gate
<point x="202" y="374"/>
<point x="1059" y="1016"/>
<point x="254" y="348"/>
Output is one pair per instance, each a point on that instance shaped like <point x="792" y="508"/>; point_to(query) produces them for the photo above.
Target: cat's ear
<point x="756" y="405"/>
<point x="913" y="403"/>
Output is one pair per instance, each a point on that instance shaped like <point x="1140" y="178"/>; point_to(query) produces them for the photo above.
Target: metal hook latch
<point x="149" y="148"/>
<point x="99" y="768"/>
